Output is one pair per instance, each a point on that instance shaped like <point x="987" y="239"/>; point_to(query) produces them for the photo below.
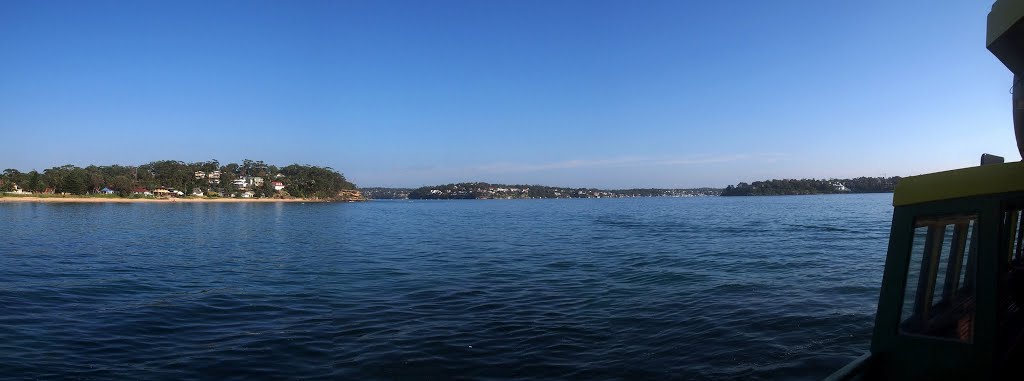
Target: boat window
<point x="938" y="300"/>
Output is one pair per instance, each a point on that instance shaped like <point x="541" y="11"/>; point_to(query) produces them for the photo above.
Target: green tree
<point x="122" y="184"/>
<point x="74" y="184"/>
<point x="11" y="177"/>
<point x="35" y="182"/>
<point x="227" y="183"/>
<point x="312" y="181"/>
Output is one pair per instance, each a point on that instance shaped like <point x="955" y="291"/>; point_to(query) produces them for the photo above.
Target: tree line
<point x="305" y="181"/>
<point x="813" y="186"/>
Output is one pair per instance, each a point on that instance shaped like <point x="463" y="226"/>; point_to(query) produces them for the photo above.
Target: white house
<point x="248" y="194"/>
<point x="277" y="185"/>
<point x="18" y="190"/>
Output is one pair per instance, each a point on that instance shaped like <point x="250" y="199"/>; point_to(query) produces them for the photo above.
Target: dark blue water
<point x="691" y="288"/>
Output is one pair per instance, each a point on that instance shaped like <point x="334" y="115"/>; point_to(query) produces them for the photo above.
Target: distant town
<point x="482" y="190"/>
<point x="258" y="180"/>
<point x="504" y="191"/>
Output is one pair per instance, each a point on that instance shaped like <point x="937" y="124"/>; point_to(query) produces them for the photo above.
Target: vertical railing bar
<point x="1009" y="224"/>
<point x="926" y="278"/>
<point x="1020" y="237"/>
<point x="972" y="258"/>
<point x="956" y="257"/>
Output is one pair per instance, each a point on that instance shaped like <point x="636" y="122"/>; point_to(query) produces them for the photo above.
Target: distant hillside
<point x="506" y="191"/>
<point x="249" y="179"/>
<point x="379" y="193"/>
<point x="813" y="186"/>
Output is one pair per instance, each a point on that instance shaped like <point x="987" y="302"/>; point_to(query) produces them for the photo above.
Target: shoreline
<point x="152" y="200"/>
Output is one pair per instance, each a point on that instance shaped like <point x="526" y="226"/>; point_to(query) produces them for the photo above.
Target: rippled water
<point x="694" y="288"/>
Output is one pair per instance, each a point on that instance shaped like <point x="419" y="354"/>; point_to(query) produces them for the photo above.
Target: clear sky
<point x="571" y="93"/>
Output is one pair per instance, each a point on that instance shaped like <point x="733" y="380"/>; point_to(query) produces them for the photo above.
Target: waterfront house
<point x="18" y="190"/>
<point x="277" y="185"/>
<point x="161" y="192"/>
<point x="197" y="192"/>
<point x="106" y="190"/>
<point x="141" y="192"/>
<point x="240" y="183"/>
<point x="248" y="194"/>
<point x="838" y="186"/>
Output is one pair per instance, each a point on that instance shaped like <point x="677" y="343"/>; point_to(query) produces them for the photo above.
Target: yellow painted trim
<point x="965" y="182"/>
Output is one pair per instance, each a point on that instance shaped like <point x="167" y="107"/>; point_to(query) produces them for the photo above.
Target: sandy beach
<point x="149" y="200"/>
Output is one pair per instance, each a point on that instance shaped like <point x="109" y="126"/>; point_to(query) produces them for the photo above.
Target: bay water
<point x="580" y="289"/>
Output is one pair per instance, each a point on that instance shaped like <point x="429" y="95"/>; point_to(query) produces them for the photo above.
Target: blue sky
<point x="573" y="93"/>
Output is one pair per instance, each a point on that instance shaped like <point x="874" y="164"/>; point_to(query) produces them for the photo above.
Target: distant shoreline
<point x="95" y="200"/>
<point x="786" y="187"/>
<point x="802" y="194"/>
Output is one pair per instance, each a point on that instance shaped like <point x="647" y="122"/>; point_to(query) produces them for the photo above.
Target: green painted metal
<point x="995" y="258"/>
<point x="855" y="370"/>
<point x="906" y="356"/>
<point x="1005" y="39"/>
<point x="1005" y="34"/>
<point x="897" y="354"/>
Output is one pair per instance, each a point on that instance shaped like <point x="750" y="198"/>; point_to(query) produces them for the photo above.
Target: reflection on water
<point x="699" y="288"/>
